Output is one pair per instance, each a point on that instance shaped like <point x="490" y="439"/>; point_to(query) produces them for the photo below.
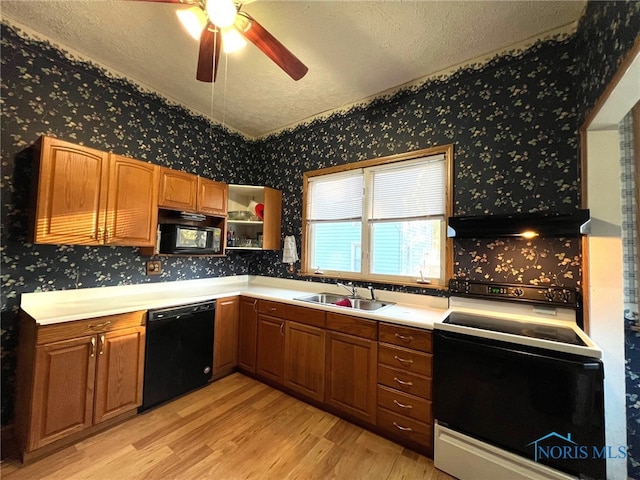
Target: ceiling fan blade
<point x="272" y="48"/>
<point x="209" y="54"/>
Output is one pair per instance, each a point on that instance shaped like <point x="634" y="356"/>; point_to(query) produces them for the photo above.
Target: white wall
<point x="606" y="307"/>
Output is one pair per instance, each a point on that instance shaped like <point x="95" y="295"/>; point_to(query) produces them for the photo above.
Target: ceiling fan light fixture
<point x="222" y="13"/>
<point x="232" y="41"/>
<point x="193" y="20"/>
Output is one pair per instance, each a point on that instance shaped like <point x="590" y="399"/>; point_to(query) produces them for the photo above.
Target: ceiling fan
<point x="219" y="22"/>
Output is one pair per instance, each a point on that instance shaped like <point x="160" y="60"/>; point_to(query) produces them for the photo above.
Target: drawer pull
<point x="408" y="384"/>
<point x="272" y="309"/>
<point x="403" y="360"/>
<point x="402" y="405"/>
<point x="404" y="429"/>
<point x="404" y="338"/>
<point x="100" y="325"/>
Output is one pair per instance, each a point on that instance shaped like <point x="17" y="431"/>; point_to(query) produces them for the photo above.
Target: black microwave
<point x="186" y="239"/>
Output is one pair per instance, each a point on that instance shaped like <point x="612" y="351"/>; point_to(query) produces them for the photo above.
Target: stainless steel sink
<point x="356" y="303"/>
<point x="326" y="298"/>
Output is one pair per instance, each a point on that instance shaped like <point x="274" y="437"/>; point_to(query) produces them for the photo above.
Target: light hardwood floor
<point x="236" y="428"/>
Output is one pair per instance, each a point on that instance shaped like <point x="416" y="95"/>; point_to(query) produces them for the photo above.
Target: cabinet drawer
<point x="275" y="309"/>
<point x="308" y="316"/>
<point x="404" y="404"/>
<point x="405" y="428"/>
<point x="405" y="359"/>
<point x="405" y="337"/>
<point x="66" y="330"/>
<point x="407" y="382"/>
<point x="352" y="325"/>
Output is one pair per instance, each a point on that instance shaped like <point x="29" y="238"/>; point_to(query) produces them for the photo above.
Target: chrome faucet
<point x="349" y="287"/>
<point x="373" y="296"/>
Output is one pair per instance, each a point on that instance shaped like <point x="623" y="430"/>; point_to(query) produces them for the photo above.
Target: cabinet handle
<point x="404" y="429"/>
<point x="255" y="304"/>
<point x="403" y="360"/>
<point x="99" y="234"/>
<point x="402" y="405"/>
<point x="404" y="338"/>
<point x="282" y="329"/>
<point x="408" y="384"/>
<point x="109" y="235"/>
<point x="93" y="347"/>
<point x="100" y="325"/>
<point x="101" y="345"/>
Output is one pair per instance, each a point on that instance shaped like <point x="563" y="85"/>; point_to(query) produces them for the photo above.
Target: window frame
<point x="447" y="253"/>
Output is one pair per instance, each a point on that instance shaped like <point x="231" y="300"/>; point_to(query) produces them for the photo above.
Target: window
<point x="382" y="219"/>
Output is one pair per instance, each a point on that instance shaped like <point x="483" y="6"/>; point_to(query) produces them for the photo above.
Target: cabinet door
<point x="119" y="372"/>
<point x="212" y="197"/>
<point x="271" y="236"/>
<point x="225" y="336"/>
<point x="304" y="359"/>
<point x="132" y="203"/>
<point x="270" y="356"/>
<point x="351" y="375"/>
<point x="62" y="401"/>
<point x="177" y="190"/>
<point x="247" y="334"/>
<point x="72" y="191"/>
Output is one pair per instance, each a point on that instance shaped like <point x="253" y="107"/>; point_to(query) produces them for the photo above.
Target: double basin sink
<point x="356" y="303"/>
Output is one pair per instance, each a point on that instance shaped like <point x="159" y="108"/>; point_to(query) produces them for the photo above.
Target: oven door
<point x="522" y="399"/>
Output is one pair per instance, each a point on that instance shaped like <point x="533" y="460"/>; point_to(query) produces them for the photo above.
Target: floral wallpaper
<point x="513" y="122"/>
<point x="513" y="125"/>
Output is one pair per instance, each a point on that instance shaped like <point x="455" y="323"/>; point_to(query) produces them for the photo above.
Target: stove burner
<point x="554" y="333"/>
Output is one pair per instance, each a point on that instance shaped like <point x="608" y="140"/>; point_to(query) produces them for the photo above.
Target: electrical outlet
<point x="154" y="267"/>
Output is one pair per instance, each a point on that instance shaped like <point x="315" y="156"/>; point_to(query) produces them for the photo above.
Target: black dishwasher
<point x="179" y="351"/>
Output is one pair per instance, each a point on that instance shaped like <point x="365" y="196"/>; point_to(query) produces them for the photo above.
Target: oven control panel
<point x="551" y="295"/>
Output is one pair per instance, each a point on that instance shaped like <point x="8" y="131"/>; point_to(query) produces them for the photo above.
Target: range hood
<point x="544" y="224"/>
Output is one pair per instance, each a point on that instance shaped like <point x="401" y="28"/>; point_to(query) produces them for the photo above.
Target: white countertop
<point x="47" y="308"/>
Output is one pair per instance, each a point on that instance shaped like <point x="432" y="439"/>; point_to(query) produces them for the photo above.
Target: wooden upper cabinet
<point x="132" y="202"/>
<point x="71" y="194"/>
<point x="272" y="219"/>
<point x="89" y="197"/>
<point x="178" y="190"/>
<point x="264" y="233"/>
<point x="187" y="192"/>
<point x="212" y="197"/>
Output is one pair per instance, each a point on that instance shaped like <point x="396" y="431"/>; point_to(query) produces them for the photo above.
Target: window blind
<point x="336" y="197"/>
<point x="414" y="190"/>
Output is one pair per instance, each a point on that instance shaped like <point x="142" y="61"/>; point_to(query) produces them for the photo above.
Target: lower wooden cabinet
<point x="304" y="360"/>
<point x="351" y="375"/>
<point x="270" y="351"/>
<point x="225" y="344"/>
<point x="119" y="373"/>
<point x="63" y="379"/>
<point x="76" y="375"/>
<point x="247" y="334"/>
<point x="404" y="386"/>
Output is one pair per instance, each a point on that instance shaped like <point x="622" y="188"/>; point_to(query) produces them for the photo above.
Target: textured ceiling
<point x="354" y="49"/>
